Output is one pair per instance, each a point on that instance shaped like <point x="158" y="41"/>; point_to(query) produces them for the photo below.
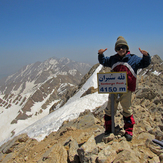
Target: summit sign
<point x="112" y="82"/>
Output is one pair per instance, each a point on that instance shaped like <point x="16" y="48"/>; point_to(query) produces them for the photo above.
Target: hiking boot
<point x="129" y="124"/>
<point x="128" y="137"/>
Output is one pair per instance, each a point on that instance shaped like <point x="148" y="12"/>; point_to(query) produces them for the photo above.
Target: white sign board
<point x="112" y="82"/>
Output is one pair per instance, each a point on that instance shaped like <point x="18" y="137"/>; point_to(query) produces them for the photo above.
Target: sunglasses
<point x="121" y="47"/>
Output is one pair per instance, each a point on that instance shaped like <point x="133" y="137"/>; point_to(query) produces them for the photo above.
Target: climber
<point x="124" y="61"/>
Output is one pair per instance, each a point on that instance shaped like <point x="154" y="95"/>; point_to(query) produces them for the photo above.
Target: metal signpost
<point x="112" y="83"/>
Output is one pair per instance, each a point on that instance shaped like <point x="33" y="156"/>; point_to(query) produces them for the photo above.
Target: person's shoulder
<point x="134" y="58"/>
<point x="133" y="55"/>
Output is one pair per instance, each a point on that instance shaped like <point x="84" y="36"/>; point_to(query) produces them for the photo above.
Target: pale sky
<point x="36" y="30"/>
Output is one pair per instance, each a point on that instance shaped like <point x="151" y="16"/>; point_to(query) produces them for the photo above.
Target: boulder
<point x="126" y="156"/>
<point x="10" y="145"/>
<point x="55" y="154"/>
<point x="106" y="155"/>
<point x="87" y="121"/>
<point x="153" y="147"/>
<point x="87" y="150"/>
<point x="72" y="153"/>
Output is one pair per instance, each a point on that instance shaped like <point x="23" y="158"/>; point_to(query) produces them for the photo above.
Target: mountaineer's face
<point x="121" y="50"/>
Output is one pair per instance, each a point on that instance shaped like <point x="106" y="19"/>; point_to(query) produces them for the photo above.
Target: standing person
<point x="130" y="63"/>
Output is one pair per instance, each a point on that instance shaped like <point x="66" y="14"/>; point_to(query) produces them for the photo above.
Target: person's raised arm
<point x="146" y="59"/>
<point x="101" y="51"/>
<point x="102" y="59"/>
<point x="143" y="52"/>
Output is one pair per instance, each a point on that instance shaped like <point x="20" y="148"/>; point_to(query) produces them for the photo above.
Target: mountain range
<point x="35" y="91"/>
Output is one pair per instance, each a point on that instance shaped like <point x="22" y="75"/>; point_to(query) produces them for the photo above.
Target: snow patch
<point x="73" y="72"/>
<point x="53" y="62"/>
<point x="29" y="87"/>
<point x="156" y="73"/>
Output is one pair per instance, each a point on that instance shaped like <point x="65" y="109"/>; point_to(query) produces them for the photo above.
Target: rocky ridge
<point x="82" y="139"/>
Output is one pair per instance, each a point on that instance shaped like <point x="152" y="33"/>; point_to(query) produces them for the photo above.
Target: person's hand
<point x="101" y="51"/>
<point x="143" y="52"/>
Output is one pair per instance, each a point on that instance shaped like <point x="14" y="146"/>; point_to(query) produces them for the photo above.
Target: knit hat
<point x="121" y="41"/>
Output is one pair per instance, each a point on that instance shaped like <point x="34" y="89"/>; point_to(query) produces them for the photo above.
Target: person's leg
<point x="108" y="107"/>
<point x="125" y="100"/>
<point x="128" y="126"/>
<point x="107" y="116"/>
<point x="129" y="121"/>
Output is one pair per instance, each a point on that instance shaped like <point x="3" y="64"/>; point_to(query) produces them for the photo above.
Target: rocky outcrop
<point x="82" y="140"/>
<point x="86" y="76"/>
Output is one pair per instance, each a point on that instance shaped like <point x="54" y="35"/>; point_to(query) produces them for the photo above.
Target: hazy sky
<point x="36" y="30"/>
